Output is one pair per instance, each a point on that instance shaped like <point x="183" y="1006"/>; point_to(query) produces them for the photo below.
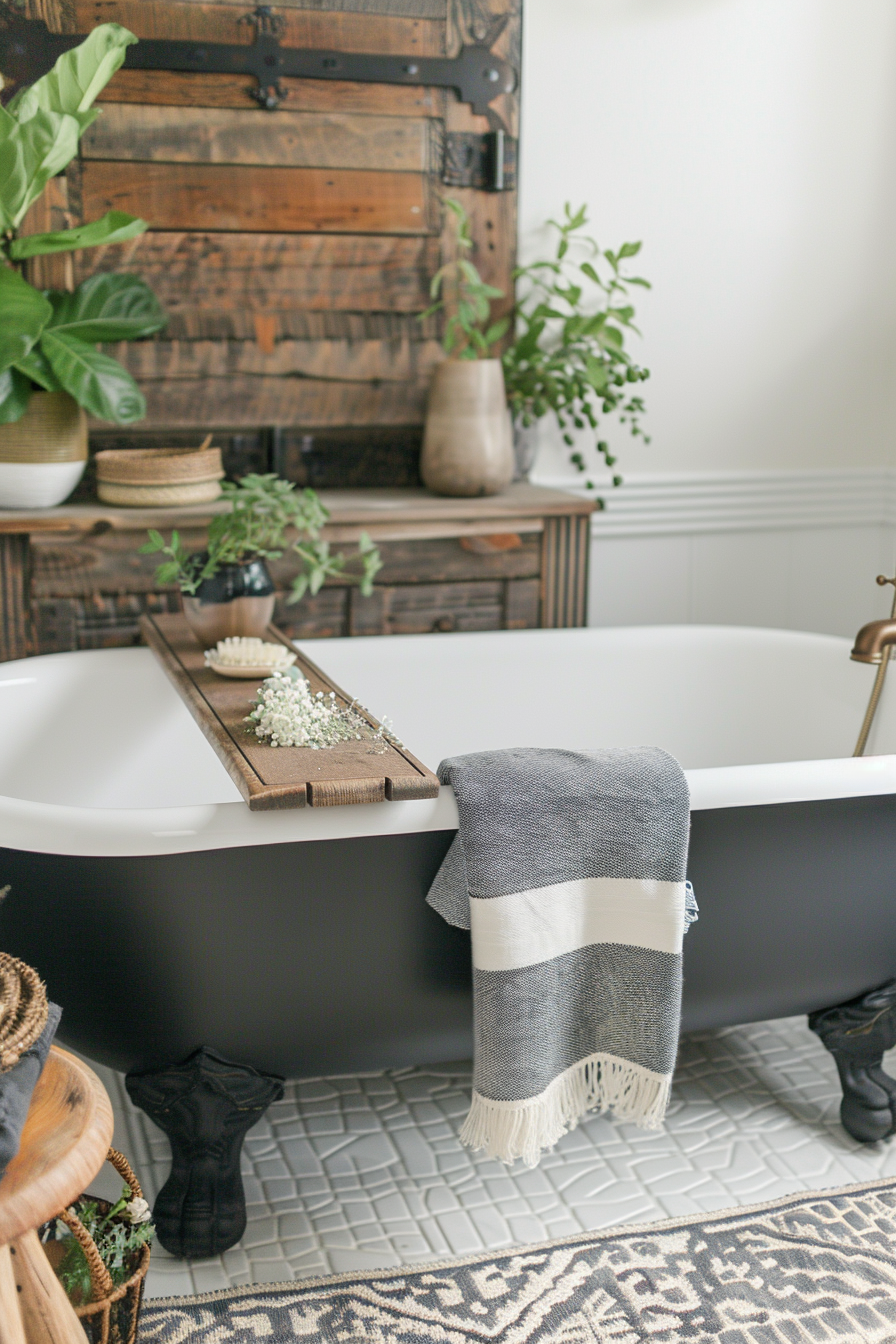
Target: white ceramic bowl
<point x="37" y="485"/>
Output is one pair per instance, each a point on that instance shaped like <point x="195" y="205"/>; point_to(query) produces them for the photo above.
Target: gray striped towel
<point x="569" y="870"/>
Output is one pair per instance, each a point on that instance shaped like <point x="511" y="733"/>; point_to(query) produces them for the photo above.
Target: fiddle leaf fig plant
<point x="568" y="356"/>
<point x="459" y="290"/>
<point x="48" y="340"/>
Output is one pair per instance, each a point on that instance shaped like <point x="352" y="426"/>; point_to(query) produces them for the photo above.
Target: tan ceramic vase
<point x="468" y="442"/>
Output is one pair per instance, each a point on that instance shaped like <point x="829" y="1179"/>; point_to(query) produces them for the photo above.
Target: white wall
<point x="751" y="144"/>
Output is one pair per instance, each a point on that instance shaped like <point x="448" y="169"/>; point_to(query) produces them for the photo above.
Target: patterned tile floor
<point x="365" y="1171"/>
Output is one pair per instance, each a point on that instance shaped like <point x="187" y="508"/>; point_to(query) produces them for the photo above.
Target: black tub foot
<point x="205" y="1105"/>
<point x="857" y="1033"/>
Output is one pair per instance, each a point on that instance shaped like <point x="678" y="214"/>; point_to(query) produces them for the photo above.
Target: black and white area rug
<point x="808" y="1268"/>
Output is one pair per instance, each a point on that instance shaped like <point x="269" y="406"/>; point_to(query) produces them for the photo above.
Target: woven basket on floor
<point x="112" y="1315"/>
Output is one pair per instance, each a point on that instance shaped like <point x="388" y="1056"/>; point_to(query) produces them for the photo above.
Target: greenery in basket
<point x="264" y="511"/>
<point x="49" y="339"/>
<point x="117" y="1234"/>
<point x="568" y="356"/>
<point x="459" y="290"/>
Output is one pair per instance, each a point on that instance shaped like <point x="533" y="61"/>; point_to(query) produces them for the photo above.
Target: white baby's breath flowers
<point x="288" y="713"/>
<point x="246" y="652"/>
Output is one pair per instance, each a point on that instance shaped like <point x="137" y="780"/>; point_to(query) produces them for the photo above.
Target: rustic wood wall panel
<point x="293" y="249"/>
<point x="282" y="200"/>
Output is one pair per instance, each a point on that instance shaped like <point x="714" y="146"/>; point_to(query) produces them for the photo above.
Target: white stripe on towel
<point x="528" y="927"/>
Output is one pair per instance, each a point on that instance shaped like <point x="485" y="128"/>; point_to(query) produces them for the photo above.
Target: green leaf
<point x="35" y="367"/>
<point x="15" y="392"/>
<point x="496" y="331"/>
<point x="587" y="269"/>
<point x="24" y="313"/>
<point x="114" y="227"/>
<point x="30" y="154"/>
<point x="77" y="78"/>
<point x="107" y="308"/>
<point x="628" y="250"/>
<point x="156" y="543"/>
<point x="96" y="382"/>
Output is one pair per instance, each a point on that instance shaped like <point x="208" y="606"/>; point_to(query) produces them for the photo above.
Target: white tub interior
<point x="105" y="732"/>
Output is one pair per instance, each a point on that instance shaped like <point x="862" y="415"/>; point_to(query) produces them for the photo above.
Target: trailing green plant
<point x="264" y="511"/>
<point x="568" y="356"/>
<point x="48" y="339"/>
<point x="117" y="1234"/>
<point x="460" y="291"/>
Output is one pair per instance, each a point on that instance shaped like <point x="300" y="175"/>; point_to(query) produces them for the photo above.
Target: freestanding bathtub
<point x="165" y="916"/>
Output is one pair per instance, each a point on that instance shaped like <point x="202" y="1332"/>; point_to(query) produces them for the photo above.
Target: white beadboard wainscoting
<point x="794" y="549"/>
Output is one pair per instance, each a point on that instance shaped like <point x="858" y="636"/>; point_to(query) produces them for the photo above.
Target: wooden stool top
<point x="64" y="1144"/>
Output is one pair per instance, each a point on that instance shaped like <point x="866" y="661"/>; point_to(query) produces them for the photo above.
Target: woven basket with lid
<point x="138" y="476"/>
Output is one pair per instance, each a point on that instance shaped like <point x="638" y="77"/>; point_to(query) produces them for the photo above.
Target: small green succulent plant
<point x="49" y="339"/>
<point x="267" y="516"/>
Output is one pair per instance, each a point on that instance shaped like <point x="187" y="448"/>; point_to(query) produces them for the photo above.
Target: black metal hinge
<point x="28" y="50"/>
<point x="484" y="161"/>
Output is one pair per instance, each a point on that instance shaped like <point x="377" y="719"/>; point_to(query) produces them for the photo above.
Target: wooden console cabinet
<point x="71" y="577"/>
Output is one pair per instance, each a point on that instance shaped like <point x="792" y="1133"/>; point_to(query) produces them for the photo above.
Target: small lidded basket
<point x="137" y="477"/>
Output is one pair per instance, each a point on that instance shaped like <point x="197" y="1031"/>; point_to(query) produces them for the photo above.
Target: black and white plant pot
<point x="237" y="601"/>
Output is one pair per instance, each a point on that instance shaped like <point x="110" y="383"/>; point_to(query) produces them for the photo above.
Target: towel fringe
<point x="524" y="1129"/>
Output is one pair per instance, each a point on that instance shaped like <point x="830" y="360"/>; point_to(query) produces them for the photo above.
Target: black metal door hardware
<point x="28" y="50"/>
<point x="485" y="161"/>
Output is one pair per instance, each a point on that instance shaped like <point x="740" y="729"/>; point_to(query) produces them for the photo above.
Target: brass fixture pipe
<point x="874" y="644"/>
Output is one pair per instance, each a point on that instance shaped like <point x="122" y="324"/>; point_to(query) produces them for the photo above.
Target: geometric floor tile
<point x="364" y="1171"/>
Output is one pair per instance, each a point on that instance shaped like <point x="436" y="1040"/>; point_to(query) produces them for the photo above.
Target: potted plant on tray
<point x="568" y="356"/>
<point x="51" y="371"/>
<point x="227" y="588"/>
<point x="467" y="446"/>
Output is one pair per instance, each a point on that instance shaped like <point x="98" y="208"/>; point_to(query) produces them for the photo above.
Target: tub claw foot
<point x="857" y="1033"/>
<point x="205" y="1105"/>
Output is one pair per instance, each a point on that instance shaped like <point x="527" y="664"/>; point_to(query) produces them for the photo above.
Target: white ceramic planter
<point x="37" y="485"/>
<point x="467" y="443"/>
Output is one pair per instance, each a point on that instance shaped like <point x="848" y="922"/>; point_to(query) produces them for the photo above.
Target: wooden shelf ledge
<point x="370" y="509"/>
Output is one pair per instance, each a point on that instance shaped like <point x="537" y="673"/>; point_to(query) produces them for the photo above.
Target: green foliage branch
<point x="458" y="290"/>
<point x="116" y="1238"/>
<point x="49" y="339"/>
<point x="267" y="516"/>
<point x="568" y="356"/>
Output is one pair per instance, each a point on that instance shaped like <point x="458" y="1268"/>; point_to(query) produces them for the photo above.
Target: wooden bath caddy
<point x="275" y="777"/>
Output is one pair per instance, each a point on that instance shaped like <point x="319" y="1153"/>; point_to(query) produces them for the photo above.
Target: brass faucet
<point x="874" y="644"/>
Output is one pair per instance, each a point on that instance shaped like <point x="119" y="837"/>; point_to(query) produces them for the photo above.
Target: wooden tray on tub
<point x="274" y="777"/>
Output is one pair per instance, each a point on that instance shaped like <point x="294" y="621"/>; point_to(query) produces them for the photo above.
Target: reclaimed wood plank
<point x="316" y="29"/>
<point x="15" y="592"/>
<point x="248" y="400"/>
<point x="248" y="199"/>
<point x="203" y="277"/>
<point x="186" y="324"/>
<point x="338" y="361"/>
<point x="271" y="139"/>
<point x="428" y="608"/>
<point x="185" y="89"/>
<point x="417" y="9"/>
<point x="276" y="777"/>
